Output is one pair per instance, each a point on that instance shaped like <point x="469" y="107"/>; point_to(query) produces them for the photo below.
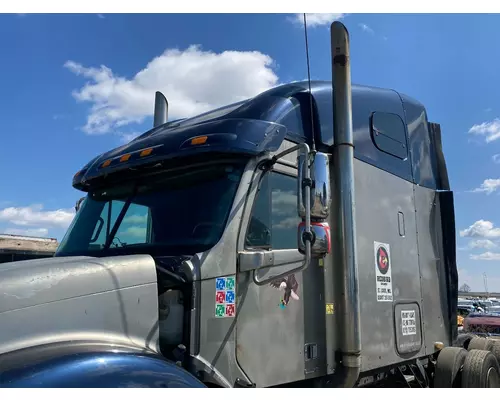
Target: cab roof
<point x="248" y="127"/>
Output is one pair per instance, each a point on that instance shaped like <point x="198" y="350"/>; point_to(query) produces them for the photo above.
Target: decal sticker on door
<point x="290" y="286"/>
<point x="225" y="297"/>
<point x="382" y="253"/>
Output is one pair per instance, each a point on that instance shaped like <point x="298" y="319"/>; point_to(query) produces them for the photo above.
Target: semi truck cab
<point x="305" y="236"/>
<point x="219" y="214"/>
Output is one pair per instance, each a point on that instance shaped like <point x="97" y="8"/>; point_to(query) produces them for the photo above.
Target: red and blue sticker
<point x="383" y="276"/>
<point x="225" y="297"/>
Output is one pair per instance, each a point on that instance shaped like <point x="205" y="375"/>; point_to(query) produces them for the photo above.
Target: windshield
<point x="173" y="214"/>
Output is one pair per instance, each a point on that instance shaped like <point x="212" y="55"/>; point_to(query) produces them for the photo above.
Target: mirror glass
<point x="320" y="192"/>
<point x="322" y="239"/>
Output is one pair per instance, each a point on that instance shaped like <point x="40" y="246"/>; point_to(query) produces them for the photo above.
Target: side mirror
<point x="321" y="244"/>
<point x="320" y="199"/>
<point x="79" y="204"/>
<point x="320" y="190"/>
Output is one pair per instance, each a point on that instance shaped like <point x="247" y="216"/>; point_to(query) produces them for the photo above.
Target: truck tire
<point x="480" y="370"/>
<point x="478" y="343"/>
<point x="495" y="348"/>
<point x="448" y="366"/>
<point x="463" y="340"/>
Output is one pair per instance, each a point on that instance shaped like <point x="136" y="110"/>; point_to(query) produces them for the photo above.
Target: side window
<point x="389" y="134"/>
<point x="274" y="220"/>
<point x="259" y="229"/>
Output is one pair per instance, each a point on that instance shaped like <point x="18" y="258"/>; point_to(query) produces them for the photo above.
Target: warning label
<point x="408" y="322"/>
<point x="383" y="275"/>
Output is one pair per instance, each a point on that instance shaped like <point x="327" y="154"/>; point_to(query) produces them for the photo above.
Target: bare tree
<point x="465" y="288"/>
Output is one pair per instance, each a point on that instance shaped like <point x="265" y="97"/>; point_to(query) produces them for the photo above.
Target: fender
<point x="91" y="366"/>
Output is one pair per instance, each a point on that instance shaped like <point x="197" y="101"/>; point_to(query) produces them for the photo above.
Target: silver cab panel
<point x="385" y="214"/>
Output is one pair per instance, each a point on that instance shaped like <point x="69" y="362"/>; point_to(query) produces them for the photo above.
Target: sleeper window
<point x="389" y="134"/>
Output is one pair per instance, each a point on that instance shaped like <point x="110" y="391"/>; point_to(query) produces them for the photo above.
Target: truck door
<point x="270" y="330"/>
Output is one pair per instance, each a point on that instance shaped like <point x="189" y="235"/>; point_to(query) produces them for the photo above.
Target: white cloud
<point x="479" y="244"/>
<point x="135" y="219"/>
<point x="288" y="223"/>
<point x="284" y="209"/>
<point x="283" y="202"/>
<point x="128" y="137"/>
<point x="366" y="29"/>
<point x="481" y="229"/>
<point x="35" y="215"/>
<point x="317" y="19"/>
<point x="496" y="158"/>
<point x="38" y="232"/>
<point x="488" y="256"/>
<point x="482" y="244"/>
<point x="488" y="186"/>
<point x="134" y="231"/>
<point x="490" y="130"/>
<point x="194" y="81"/>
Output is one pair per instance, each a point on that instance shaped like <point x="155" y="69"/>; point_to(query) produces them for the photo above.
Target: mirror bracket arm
<point x="308" y="237"/>
<point x="308" y="246"/>
<point x="267" y="165"/>
<point x="307" y="182"/>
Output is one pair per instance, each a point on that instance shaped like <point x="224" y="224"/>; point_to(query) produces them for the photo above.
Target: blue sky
<point x="73" y="86"/>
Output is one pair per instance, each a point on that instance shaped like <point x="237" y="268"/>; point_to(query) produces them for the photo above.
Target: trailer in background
<point x="19" y="248"/>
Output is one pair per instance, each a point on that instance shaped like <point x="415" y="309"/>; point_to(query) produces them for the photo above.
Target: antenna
<point x="313" y="145"/>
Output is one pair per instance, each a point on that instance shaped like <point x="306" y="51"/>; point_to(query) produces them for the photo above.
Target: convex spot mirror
<point x="321" y="243"/>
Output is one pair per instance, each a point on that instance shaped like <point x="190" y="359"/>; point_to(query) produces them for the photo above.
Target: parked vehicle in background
<point x="18" y="247"/>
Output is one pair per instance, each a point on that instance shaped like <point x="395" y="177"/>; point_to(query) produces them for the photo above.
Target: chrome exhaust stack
<point x="346" y="267"/>
<point x="161" y="110"/>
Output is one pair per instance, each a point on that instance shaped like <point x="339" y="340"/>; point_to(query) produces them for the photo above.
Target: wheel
<point x="495" y="348"/>
<point x="480" y="370"/>
<point x="478" y="343"/>
<point x="448" y="366"/>
<point x="463" y="340"/>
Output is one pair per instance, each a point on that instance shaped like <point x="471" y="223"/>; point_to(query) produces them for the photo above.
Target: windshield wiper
<point x="119" y="220"/>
